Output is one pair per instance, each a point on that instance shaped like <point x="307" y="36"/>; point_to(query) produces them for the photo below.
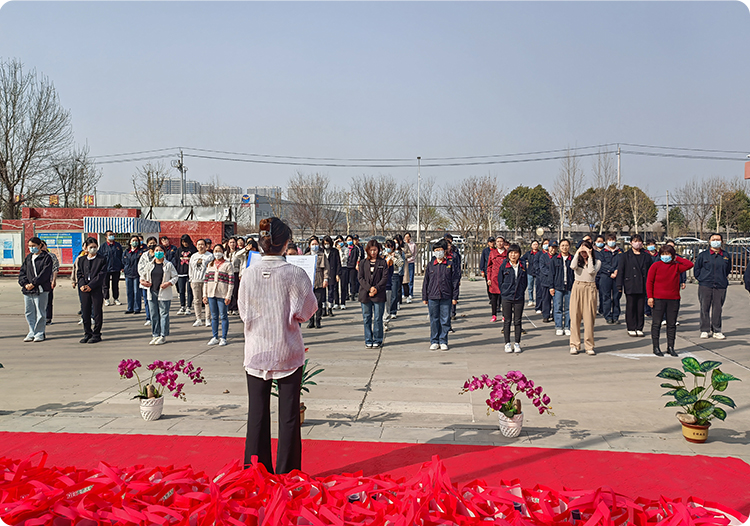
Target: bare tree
<point x="604" y="199"/>
<point x="473" y="204"/>
<point x="148" y="184"/>
<point x="429" y="213"/>
<point x="34" y="131"/>
<point x="406" y="212"/>
<point x="334" y="211"/>
<point x="307" y="195"/>
<point x="567" y="187"/>
<point x="696" y="203"/>
<point x="378" y="198"/>
<point x="76" y="176"/>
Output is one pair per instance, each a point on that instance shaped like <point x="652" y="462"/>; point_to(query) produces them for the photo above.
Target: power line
<point x="133" y="153"/>
<point x="683" y="156"/>
<point x="684" y="149"/>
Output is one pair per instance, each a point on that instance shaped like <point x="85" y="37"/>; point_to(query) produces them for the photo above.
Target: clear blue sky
<point x="388" y="80"/>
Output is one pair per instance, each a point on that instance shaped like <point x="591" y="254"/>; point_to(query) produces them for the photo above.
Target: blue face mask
<point x="612" y="243"/>
<point x="350" y="242"/>
<point x="600" y="245"/>
<point x="651" y="248"/>
<point x="545" y="247"/>
<point x="387" y="250"/>
<point x="34" y="250"/>
<point x="715" y="244"/>
<point x="666" y="258"/>
<point x="314" y="248"/>
<point x="159" y="254"/>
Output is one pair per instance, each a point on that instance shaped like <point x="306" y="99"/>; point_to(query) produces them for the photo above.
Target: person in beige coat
<point x="218" y="293"/>
<point x="583" y="298"/>
<point x="322" y="275"/>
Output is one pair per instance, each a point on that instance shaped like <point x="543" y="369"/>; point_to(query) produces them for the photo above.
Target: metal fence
<point x="739" y="254"/>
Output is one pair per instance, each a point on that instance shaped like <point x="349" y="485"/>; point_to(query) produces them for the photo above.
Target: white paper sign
<point x="306" y="263"/>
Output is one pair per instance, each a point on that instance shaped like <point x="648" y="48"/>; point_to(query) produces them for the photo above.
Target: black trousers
<point x="235" y="293"/>
<point x="662" y="308"/>
<point x="354" y="282"/>
<point x="345" y="284"/>
<point x="333" y="291"/>
<point x="91" y="307"/>
<point x="489" y="294"/>
<point x="495" y="303"/>
<point x="258" y="439"/>
<point x="712" y="303"/>
<point x="634" y="306"/>
<point x="49" y="304"/>
<point x="320" y="295"/>
<point x="111" y="281"/>
<point x="545" y="300"/>
<point x="512" y="310"/>
<point x="186" y="291"/>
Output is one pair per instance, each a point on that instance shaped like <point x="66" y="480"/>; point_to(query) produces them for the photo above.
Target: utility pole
<point x="180" y="165"/>
<point x="419" y="185"/>
<point x="667" y="213"/>
<point x="618" y="166"/>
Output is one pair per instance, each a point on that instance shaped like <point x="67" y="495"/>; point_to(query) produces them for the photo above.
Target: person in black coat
<point x="334" y="274"/>
<point x="484" y="259"/>
<point x="512" y="279"/>
<point x="92" y="273"/>
<point x="632" y="272"/>
<point x="372" y="277"/>
<point x="35" y="279"/>
<point x="112" y="253"/>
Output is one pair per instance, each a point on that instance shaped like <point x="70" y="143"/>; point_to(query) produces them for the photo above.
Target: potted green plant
<point x="307" y="381"/>
<point x="699" y="402"/>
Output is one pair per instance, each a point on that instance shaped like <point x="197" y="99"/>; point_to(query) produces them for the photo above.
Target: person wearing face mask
<point x="543" y="248"/>
<point x="350" y="259"/>
<point x="547" y="280"/>
<point x="712" y="268"/>
<point x="334" y="273"/>
<point x="146" y="258"/>
<point x="484" y="260"/>
<point x="598" y="246"/>
<point x="35" y="279"/>
<point x="583" y="298"/>
<point x="529" y="261"/>
<point x="92" y="275"/>
<point x="402" y="292"/>
<point x="494" y="261"/>
<point x="663" y="291"/>
<point x="218" y="294"/>
<point x="399" y="263"/>
<point x="322" y="276"/>
<point x="632" y="272"/>
<point x="411" y="258"/>
<point x="55" y="272"/>
<point x="512" y="280"/>
<point x="130" y="260"/>
<point x="159" y="277"/>
<point x="197" y="274"/>
<point x="563" y="280"/>
<point x="454" y="257"/>
<point x="184" y="253"/>
<point x="439" y="292"/>
<point x="372" y="276"/>
<point x="610" y="258"/>
<point x="389" y="259"/>
<point x="74" y="279"/>
<point x="112" y="252"/>
<point x="654" y="253"/>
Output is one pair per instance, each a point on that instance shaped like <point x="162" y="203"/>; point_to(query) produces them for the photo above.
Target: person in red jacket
<point x="496" y="257"/>
<point x="663" y="292"/>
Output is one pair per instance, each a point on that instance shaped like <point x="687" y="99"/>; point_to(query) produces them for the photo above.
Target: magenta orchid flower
<point x="164" y="374"/>
<point x="504" y="390"/>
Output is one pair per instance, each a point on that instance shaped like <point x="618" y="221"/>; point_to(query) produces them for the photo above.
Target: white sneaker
<point x="591" y="352"/>
<point x="704" y="335"/>
<point x="433" y="347"/>
<point x="336" y="307"/>
<point x="197" y="323"/>
<point x="530" y="304"/>
<point x="559" y="332"/>
<point x="181" y="311"/>
<point x="567" y="332"/>
<point x="393" y="316"/>
<point x="117" y="302"/>
<point x="80" y="322"/>
<point x="188" y="311"/>
<point x="517" y="348"/>
<point x="343" y="307"/>
<point x="222" y="342"/>
<point x="106" y="303"/>
<point x="573" y="350"/>
<point x="153" y="340"/>
<point x="161" y="340"/>
<point x="147" y="324"/>
<point x="408" y="300"/>
<point x="719" y="336"/>
<point x="443" y="346"/>
<point x="538" y="312"/>
<point x="29" y="339"/>
<point x="508" y="348"/>
<point x="663" y="323"/>
<point x="208" y="323"/>
<point x="631" y="333"/>
<point x="639" y="333"/>
<point x="213" y="341"/>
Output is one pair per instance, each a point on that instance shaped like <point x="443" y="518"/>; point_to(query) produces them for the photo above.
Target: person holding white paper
<point x="320" y="285"/>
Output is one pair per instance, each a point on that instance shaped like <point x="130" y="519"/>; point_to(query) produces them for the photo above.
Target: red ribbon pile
<point x="33" y="494"/>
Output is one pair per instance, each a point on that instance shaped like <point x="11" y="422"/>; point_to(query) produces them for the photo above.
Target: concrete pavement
<point x="400" y="393"/>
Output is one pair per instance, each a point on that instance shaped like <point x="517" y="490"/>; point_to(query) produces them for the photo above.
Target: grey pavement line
<point x="368" y="387"/>
<point x="531" y="322"/>
<point x="726" y="358"/>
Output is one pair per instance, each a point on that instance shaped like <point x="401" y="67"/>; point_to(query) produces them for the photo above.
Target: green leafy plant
<point x="700" y="401"/>
<point x="307" y="374"/>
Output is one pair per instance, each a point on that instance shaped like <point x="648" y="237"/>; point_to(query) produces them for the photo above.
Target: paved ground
<point x="400" y="393"/>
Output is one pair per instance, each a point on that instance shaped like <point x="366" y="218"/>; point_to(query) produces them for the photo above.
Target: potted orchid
<point x="505" y="398"/>
<point x="164" y="376"/>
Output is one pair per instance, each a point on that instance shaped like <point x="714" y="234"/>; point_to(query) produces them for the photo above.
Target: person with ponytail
<point x="274" y="298"/>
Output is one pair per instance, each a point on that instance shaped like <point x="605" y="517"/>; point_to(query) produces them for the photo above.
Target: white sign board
<point x="11" y="251"/>
<point x="306" y="263"/>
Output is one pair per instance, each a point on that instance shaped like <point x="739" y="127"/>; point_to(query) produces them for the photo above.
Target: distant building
<point x="172" y="186"/>
<point x="271" y="192"/>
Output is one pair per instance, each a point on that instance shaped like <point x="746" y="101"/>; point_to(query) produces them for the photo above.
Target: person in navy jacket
<point x="564" y="277"/>
<point x="530" y="262"/>
<point x="712" y="268"/>
<point x="454" y="257"/>
<point x="484" y="259"/>
<point x="112" y="252"/>
<point x="610" y="258"/>
<point x="130" y="261"/>
<point x="513" y="280"/>
<point x="439" y="292"/>
<point x="547" y="280"/>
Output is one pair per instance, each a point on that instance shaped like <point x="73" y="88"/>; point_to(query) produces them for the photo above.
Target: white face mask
<point x="440" y="254"/>
<point x="93" y="251"/>
<point x="219" y="255"/>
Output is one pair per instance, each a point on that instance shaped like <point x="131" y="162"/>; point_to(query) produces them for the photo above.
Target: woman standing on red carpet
<point x="274" y="298"/>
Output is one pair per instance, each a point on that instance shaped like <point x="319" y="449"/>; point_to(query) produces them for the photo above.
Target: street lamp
<point x="419" y="184"/>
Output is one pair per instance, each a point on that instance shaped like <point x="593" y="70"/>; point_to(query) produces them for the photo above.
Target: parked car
<point x="739" y="241"/>
<point x="688" y="241"/>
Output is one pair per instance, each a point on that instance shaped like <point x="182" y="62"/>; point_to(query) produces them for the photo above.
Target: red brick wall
<point x="78" y="213"/>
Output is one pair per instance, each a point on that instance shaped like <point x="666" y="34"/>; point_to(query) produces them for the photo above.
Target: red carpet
<point x="723" y="480"/>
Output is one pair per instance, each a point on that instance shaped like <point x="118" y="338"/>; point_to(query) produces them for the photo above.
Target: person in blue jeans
<point x="372" y="278"/>
<point x="546" y="280"/>
<point x="564" y="277"/>
<point x="130" y="259"/>
<point x="439" y="293"/>
<point x="610" y="258"/>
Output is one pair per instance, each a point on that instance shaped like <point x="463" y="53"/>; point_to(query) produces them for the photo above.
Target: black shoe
<point x="136" y="312"/>
<point x="311" y="325"/>
<point x="85" y="339"/>
<point x="523" y="331"/>
<point x="95" y="339"/>
<point x="325" y="312"/>
<point x="546" y="320"/>
<point x="671" y="352"/>
<point x="658" y="352"/>
<point x="617" y="322"/>
<point x="453" y="317"/>
<point x="317" y="324"/>
<point x="330" y="312"/>
<point x="49" y="322"/>
<point x="128" y="312"/>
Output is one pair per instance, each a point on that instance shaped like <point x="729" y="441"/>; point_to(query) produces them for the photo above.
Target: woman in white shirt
<point x="274" y="298"/>
<point x="197" y="272"/>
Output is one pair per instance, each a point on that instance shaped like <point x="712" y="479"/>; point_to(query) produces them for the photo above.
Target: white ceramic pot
<point x="510" y="427"/>
<point x="151" y="408"/>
